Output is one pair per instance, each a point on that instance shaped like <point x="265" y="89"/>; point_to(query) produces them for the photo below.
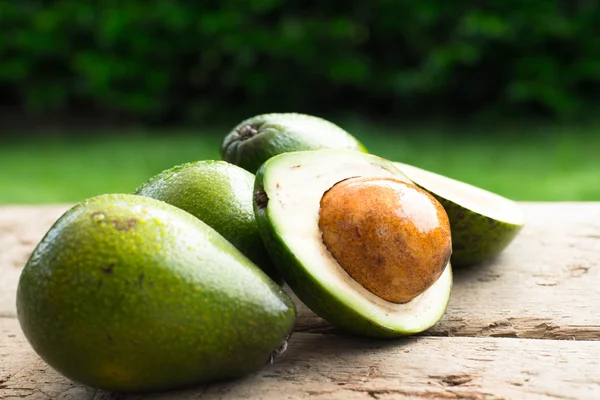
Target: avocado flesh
<point x="294" y="184"/>
<point x="220" y="194"/>
<point x="128" y="293"/>
<point x="483" y="224"/>
<point x="278" y="133"/>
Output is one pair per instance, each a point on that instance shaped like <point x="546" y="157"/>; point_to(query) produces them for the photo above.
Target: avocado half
<point x="482" y="223"/>
<point x="288" y="190"/>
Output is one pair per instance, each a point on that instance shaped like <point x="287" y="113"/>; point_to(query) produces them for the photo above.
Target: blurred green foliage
<point x="185" y="60"/>
<point x="534" y="163"/>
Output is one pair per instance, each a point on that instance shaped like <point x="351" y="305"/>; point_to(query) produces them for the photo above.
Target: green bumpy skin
<point x="475" y="237"/>
<point x="278" y="133"/>
<point x="128" y="293"/>
<point x="220" y="194"/>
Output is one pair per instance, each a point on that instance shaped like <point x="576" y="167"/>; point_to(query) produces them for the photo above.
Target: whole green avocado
<point x="128" y="293"/>
<point x="254" y="140"/>
<point x="220" y="194"/>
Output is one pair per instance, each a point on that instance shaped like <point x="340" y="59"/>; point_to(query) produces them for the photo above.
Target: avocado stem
<point x="247" y="132"/>
<point x="261" y="199"/>
<point x="280" y="349"/>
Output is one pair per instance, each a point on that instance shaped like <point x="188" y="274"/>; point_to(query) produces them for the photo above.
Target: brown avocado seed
<point x="390" y="236"/>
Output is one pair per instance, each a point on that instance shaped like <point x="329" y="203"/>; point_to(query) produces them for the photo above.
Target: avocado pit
<point x="390" y="236"/>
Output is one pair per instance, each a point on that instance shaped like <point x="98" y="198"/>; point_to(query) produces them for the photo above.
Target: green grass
<point x="556" y="165"/>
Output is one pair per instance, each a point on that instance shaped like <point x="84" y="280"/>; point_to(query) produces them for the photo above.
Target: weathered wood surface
<point x="546" y="285"/>
<point x="321" y="367"/>
<point x="21" y="228"/>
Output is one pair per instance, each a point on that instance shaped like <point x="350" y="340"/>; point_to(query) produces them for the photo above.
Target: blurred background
<point x="96" y="97"/>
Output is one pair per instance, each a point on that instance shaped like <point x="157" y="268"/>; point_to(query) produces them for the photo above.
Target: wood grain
<point x="331" y="367"/>
<point x="21" y="228"/>
<point x="546" y="285"/>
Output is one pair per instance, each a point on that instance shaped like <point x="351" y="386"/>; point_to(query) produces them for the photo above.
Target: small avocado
<point x="356" y="240"/>
<point x="483" y="223"/>
<point x="220" y="194"/>
<point x="131" y="294"/>
<point x="255" y="140"/>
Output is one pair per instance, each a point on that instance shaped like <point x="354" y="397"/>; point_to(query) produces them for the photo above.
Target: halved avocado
<point x="482" y="223"/>
<point x="287" y="201"/>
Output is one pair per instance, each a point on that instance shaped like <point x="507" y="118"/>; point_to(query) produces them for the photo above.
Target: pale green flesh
<point x="295" y="183"/>
<point x="470" y="197"/>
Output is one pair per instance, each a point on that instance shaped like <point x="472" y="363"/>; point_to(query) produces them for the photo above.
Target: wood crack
<point x="444" y="394"/>
<point x="4" y="381"/>
<point x="588" y="236"/>
<point x="551" y="395"/>
<point x="457" y="380"/>
<point x="544" y="287"/>
<point x="518" y="327"/>
<point x="15" y="396"/>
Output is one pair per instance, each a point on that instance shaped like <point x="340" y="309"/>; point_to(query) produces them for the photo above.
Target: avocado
<point x="131" y="294"/>
<point x="290" y="202"/>
<point x="483" y="224"/>
<point x="255" y="140"/>
<point x="220" y="194"/>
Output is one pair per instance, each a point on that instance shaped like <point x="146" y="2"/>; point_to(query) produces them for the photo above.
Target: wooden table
<point x="526" y="325"/>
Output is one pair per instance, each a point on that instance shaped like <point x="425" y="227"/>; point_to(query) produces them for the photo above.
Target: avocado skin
<point x="307" y="287"/>
<point x="128" y="293"/>
<point x="280" y="133"/>
<point x="220" y="194"/>
<point x="475" y="238"/>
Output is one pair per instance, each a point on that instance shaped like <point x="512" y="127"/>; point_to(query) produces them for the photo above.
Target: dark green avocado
<point x="220" y="194"/>
<point x="254" y="140"/>
<point x="128" y="293"/>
